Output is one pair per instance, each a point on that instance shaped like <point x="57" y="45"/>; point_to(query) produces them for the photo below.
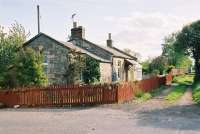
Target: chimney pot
<point x="77" y="31"/>
<point x="74" y="24"/>
<point x="109" y="36"/>
<point x="109" y="40"/>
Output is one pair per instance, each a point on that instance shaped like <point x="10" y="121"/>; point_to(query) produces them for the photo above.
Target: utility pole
<point x="38" y="18"/>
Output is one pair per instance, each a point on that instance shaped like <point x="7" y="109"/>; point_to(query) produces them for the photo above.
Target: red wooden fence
<point x="78" y="95"/>
<point x="126" y="91"/>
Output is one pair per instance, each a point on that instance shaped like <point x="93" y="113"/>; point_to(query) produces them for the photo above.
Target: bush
<point x="139" y="93"/>
<point x="147" y="96"/>
<point x="196" y="93"/>
<point x="141" y="96"/>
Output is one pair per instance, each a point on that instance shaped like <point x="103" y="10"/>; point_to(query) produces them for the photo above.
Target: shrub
<point x="139" y="93"/>
<point x="141" y="96"/>
<point x="196" y="93"/>
<point x="147" y="96"/>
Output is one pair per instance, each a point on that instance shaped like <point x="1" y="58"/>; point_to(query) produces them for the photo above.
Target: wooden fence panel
<point x="88" y="94"/>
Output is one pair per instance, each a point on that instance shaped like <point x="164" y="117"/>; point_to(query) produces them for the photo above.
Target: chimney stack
<point x="77" y="31"/>
<point x="109" y="41"/>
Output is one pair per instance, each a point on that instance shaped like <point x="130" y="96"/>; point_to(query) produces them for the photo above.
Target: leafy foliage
<point x="188" y="42"/>
<point x="175" y="58"/>
<point x="16" y="63"/>
<point x="145" y="66"/>
<point x="91" y="73"/>
<point x="159" y="64"/>
<point x="196" y="93"/>
<point x="82" y="67"/>
<point x="29" y="68"/>
<point x="74" y="69"/>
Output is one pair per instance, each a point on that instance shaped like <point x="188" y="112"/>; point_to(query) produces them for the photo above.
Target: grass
<point x="176" y="93"/>
<point x="141" y="96"/>
<point x="179" y="90"/>
<point x="184" y="79"/>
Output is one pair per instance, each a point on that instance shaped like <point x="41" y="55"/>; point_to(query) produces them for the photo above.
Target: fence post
<point x="116" y="93"/>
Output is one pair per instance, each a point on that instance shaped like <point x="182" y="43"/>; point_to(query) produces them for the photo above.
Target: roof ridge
<point x="65" y="45"/>
<point x="102" y="47"/>
<point x="97" y="45"/>
<point x="124" y="53"/>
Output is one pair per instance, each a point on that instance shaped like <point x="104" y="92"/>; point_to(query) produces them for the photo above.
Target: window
<point x="118" y="73"/>
<point x="119" y="63"/>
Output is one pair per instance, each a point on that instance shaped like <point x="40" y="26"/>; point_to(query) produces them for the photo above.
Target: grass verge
<point x="176" y="93"/>
<point x="141" y="96"/>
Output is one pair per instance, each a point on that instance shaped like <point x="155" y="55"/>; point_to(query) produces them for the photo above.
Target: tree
<point x="158" y="64"/>
<point x="13" y="59"/>
<point x="188" y="42"/>
<point x="168" y="49"/>
<point x="29" y="68"/>
<point x="175" y="58"/>
<point x="146" y="66"/>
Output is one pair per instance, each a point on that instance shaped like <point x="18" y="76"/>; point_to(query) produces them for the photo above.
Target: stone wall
<point x="56" y="58"/>
<point x="106" y="72"/>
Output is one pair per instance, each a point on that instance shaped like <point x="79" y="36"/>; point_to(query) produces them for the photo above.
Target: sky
<point x="139" y="25"/>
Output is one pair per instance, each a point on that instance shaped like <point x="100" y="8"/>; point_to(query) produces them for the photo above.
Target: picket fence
<point x="79" y="95"/>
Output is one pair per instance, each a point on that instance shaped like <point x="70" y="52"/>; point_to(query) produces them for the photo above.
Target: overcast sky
<point x="140" y="25"/>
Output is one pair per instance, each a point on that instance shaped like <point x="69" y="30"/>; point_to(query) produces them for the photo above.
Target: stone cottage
<point x="55" y="57"/>
<point x="115" y="65"/>
<point x="125" y="67"/>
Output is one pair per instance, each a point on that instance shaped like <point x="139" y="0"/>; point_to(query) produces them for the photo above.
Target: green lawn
<point x="176" y="93"/>
<point x="184" y="79"/>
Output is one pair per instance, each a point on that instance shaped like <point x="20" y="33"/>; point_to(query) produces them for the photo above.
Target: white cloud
<point x="144" y="32"/>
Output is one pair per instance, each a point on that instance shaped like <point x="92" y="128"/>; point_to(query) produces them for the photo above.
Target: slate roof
<point x="113" y="50"/>
<point x="67" y="45"/>
<point x="74" y="47"/>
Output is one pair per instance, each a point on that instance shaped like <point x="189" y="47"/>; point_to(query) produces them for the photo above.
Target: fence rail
<point x="78" y="95"/>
